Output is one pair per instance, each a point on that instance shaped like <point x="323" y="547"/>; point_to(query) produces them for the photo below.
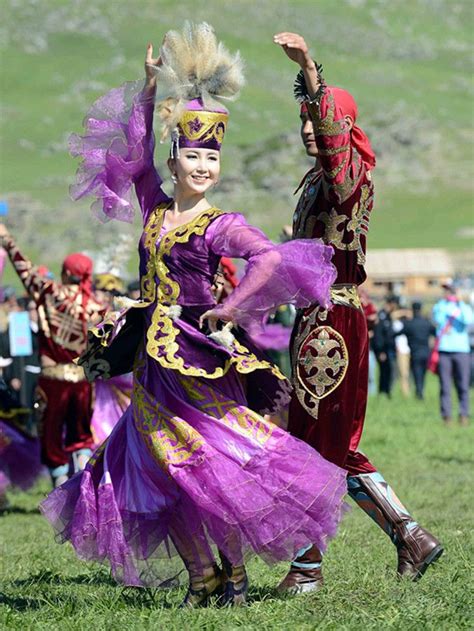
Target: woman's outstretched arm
<point x="117" y="150"/>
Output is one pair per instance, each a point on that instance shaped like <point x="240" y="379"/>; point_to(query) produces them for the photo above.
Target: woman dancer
<point x="191" y="463"/>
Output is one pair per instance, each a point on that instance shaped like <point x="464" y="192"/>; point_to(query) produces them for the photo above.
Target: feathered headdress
<point x="196" y="75"/>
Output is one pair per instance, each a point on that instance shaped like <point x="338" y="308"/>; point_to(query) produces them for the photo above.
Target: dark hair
<point x="392" y="299"/>
<point x="23" y="302"/>
<point x="416" y="306"/>
<point x="73" y="280"/>
<point x="133" y="285"/>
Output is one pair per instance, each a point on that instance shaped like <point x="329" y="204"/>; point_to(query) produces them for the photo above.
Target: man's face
<point x="307" y="135"/>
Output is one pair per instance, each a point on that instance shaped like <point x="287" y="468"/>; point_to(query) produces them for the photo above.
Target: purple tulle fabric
<point x="228" y="478"/>
<point x="19" y="457"/>
<point x="274" y="337"/>
<point x="299" y="272"/>
<point x="111" y="399"/>
<point x="114" y="151"/>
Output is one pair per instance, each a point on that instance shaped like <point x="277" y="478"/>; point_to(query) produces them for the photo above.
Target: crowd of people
<point x="175" y="377"/>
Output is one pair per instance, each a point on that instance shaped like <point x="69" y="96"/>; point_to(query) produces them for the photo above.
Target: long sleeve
<point x="117" y="153"/>
<point x="342" y="166"/>
<point x="299" y="272"/>
<point x="34" y="283"/>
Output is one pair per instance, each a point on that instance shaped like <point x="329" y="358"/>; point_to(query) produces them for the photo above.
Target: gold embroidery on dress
<point x="152" y="232"/>
<point x="238" y="417"/>
<point x="162" y="333"/>
<point x="170" y="440"/>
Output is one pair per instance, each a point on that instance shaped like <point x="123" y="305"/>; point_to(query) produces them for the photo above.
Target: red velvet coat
<point x="330" y="348"/>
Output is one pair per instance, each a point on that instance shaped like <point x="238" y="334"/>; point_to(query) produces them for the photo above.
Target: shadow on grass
<point x="18" y="603"/>
<point x="19" y="510"/>
<point x="52" y="578"/>
<point x="452" y="460"/>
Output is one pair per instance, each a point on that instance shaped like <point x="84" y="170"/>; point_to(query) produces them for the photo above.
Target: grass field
<point x="407" y="62"/>
<point x="45" y="588"/>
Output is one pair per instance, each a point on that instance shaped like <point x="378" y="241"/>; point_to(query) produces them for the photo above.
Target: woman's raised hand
<point x="151" y="64"/>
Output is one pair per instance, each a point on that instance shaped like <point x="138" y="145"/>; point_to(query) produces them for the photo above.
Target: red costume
<point x="64" y="312"/>
<point x="330" y="348"/>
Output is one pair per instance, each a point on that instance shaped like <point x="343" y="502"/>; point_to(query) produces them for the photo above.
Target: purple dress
<point x="20" y="463"/>
<point x="192" y="462"/>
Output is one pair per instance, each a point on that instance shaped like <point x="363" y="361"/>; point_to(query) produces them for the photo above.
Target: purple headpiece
<point x="199" y="127"/>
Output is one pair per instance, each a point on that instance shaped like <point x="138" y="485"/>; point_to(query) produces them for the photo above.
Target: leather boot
<point x="463" y="420"/>
<point x="305" y="574"/>
<point x="235" y="584"/>
<point x="416" y="547"/>
<point x="201" y="588"/>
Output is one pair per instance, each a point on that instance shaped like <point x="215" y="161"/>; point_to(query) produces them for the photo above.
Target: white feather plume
<point x="195" y="65"/>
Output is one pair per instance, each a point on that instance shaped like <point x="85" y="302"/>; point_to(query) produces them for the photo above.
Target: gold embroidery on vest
<point x="337" y="226"/>
<point x="162" y="333"/>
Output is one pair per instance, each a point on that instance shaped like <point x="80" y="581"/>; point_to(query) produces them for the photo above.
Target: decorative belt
<point x="346" y="295"/>
<point x="64" y="372"/>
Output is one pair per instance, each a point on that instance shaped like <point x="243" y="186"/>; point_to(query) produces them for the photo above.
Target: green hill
<point x="407" y="62"/>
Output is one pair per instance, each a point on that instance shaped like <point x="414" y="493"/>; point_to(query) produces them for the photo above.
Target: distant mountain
<point x="408" y="63"/>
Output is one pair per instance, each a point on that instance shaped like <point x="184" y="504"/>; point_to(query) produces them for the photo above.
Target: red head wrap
<point x="80" y="265"/>
<point x="230" y="271"/>
<point x="345" y="102"/>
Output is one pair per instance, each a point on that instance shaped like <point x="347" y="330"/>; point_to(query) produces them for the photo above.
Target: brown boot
<point x="202" y="588"/>
<point x="463" y="420"/>
<point x="305" y="574"/>
<point x="447" y="420"/>
<point x="416" y="547"/>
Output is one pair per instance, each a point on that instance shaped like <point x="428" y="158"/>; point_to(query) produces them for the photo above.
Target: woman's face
<point x="196" y="170"/>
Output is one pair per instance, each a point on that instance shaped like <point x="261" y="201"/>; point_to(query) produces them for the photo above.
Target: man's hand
<point x="296" y="49"/>
<point x="151" y="64"/>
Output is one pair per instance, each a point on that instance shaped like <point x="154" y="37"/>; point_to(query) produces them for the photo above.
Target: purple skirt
<point x="19" y="458"/>
<point x="188" y="466"/>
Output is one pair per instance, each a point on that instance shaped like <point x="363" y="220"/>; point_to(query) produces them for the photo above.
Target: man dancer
<point x="330" y="348"/>
<point x="65" y="310"/>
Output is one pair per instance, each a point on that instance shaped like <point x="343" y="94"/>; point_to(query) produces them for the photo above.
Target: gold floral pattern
<point x="339" y="226"/>
<point x="239" y="418"/>
<point x="203" y="126"/>
<point x="162" y="333"/>
<point x="170" y="440"/>
<point x="320" y="360"/>
<point x="346" y="295"/>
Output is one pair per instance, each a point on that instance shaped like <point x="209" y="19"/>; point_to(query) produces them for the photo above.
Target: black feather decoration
<point x="300" y="90"/>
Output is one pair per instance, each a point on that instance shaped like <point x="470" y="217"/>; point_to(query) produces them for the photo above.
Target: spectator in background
<point x="399" y="317"/>
<point x="133" y="290"/>
<point x="452" y="317"/>
<point x="418" y="331"/>
<point x="22" y="374"/>
<point x="384" y="345"/>
<point x="370" y="312"/>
